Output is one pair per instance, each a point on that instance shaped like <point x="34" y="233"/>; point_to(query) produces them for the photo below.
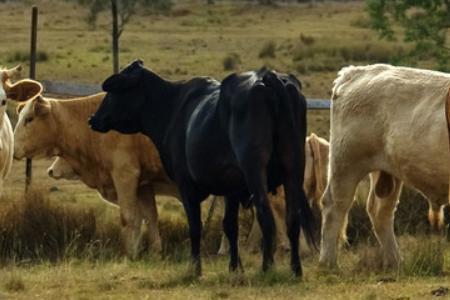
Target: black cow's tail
<point x="290" y="120"/>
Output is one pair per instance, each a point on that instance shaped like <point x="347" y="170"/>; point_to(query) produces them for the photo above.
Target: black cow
<point x="240" y="139"/>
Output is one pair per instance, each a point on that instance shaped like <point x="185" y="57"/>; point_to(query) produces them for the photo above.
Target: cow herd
<point x="244" y="138"/>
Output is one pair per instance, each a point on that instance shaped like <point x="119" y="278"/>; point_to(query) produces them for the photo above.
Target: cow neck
<point x="75" y="138"/>
<point x="160" y="108"/>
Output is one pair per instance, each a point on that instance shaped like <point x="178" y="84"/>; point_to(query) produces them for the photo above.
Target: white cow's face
<point x="35" y="132"/>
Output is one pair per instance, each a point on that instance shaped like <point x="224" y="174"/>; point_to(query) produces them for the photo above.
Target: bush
<point x="231" y="61"/>
<point x="361" y="22"/>
<point x="268" y="50"/>
<point x="33" y="228"/>
<point x="307" y="40"/>
<point x="14" y="284"/>
<point x="323" y="57"/>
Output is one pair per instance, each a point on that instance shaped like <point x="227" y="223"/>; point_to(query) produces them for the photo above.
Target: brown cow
<point x="125" y="169"/>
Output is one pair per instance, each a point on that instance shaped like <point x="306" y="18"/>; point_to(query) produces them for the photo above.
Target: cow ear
<point x="24" y="90"/>
<point x="295" y="79"/>
<point x="41" y="106"/>
<point x="120" y="82"/>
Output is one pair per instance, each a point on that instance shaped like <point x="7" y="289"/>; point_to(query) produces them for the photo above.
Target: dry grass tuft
<point x="268" y="50"/>
<point x="14" y="283"/>
<point x="231" y="61"/>
<point x="424" y="258"/>
<point x="34" y="229"/>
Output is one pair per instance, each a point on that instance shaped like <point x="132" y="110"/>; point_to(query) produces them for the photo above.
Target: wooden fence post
<point x="34" y="23"/>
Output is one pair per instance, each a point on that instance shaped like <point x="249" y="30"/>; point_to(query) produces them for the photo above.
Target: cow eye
<point x="3" y="102"/>
<point x="28" y="120"/>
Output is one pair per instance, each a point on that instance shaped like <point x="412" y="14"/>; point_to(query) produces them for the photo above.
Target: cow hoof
<point x="297" y="271"/>
<point x="238" y="268"/>
<point x="194" y="270"/>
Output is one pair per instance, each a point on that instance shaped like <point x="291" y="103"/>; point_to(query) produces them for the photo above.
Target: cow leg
<point x="381" y="209"/>
<point x="279" y="209"/>
<point x="336" y="202"/>
<point x="255" y="236"/>
<point x="294" y="197"/>
<point x="255" y="175"/>
<point x="435" y="216"/>
<point x="147" y="205"/>
<point x="191" y="203"/>
<point x="126" y="183"/>
<point x="224" y="247"/>
<point x="231" y="229"/>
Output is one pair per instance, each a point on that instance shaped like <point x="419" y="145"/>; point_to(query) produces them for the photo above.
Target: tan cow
<point x="125" y="169"/>
<point x="390" y="119"/>
<point x="447" y="116"/>
<point x="6" y="133"/>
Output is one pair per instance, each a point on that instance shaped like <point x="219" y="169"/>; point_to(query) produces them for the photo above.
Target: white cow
<point x="6" y="133"/>
<point x="390" y="119"/>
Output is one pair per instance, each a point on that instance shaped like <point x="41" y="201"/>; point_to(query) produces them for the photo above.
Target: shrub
<point x="268" y="50"/>
<point x="361" y="22"/>
<point x="307" y="40"/>
<point x="14" y="284"/>
<point x="231" y="61"/>
<point x="33" y="228"/>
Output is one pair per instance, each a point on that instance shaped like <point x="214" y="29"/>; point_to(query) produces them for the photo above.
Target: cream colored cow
<point x="6" y="133"/>
<point x="125" y="169"/>
<point x="390" y="119"/>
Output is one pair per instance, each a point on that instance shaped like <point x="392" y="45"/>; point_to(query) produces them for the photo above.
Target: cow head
<point x="61" y="169"/>
<point x="121" y="108"/>
<point x="35" y="129"/>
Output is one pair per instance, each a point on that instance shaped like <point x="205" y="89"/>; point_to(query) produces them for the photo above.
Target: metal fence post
<point x="34" y="23"/>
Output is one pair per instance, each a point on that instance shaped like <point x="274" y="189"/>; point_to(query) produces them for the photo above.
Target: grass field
<point x="310" y="41"/>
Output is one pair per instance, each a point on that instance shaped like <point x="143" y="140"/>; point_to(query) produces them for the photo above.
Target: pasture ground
<point x="311" y="41"/>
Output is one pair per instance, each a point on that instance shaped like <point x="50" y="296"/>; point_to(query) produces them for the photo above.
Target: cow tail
<point x="291" y="123"/>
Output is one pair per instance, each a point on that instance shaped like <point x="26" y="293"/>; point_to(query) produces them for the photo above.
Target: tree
<point x="423" y="22"/>
<point x="121" y="12"/>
